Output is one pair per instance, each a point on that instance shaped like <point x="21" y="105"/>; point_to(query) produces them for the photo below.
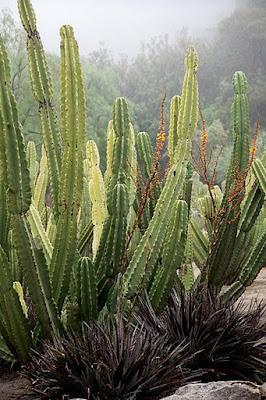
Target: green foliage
<point x="76" y="246"/>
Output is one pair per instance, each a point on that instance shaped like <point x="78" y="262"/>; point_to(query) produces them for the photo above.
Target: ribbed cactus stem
<point x="172" y="255"/>
<point x="132" y="165"/>
<point x="41" y="183"/>
<point x="17" y="174"/>
<point x="173" y="127"/>
<point x="19" y="198"/>
<point x="110" y="253"/>
<point x="87" y="290"/>
<point x="145" y="153"/>
<point x="96" y="192"/>
<point x="240" y="120"/>
<point x="224" y="239"/>
<point x="43" y="92"/>
<point x="121" y="168"/>
<point x="144" y="258"/>
<point x="70" y="193"/>
<point x="109" y="153"/>
<point x="33" y="164"/>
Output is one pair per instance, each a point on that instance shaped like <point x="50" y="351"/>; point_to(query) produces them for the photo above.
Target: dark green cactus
<point x="172" y="255"/>
<point x="224" y="237"/>
<point x="87" y="290"/>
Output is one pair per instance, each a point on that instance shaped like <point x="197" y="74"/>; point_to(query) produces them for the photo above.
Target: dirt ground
<point x="258" y="289"/>
<point x="13" y="386"/>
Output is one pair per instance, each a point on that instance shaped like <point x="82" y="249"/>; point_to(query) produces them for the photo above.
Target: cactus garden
<point x="124" y="278"/>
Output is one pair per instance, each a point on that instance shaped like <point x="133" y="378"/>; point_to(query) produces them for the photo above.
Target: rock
<point x="263" y="391"/>
<point x="230" y="390"/>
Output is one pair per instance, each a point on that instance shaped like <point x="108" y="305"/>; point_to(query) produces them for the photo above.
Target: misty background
<point x="122" y="24"/>
<point x="136" y="49"/>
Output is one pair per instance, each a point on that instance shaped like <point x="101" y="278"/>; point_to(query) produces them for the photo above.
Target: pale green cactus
<point x="97" y="193"/>
<point x="109" y="153"/>
<point x="41" y="184"/>
<point x="70" y="192"/>
<point x="33" y="164"/>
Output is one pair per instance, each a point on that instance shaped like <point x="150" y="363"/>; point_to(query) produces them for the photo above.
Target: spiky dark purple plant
<point x="228" y="340"/>
<point x="109" y="361"/>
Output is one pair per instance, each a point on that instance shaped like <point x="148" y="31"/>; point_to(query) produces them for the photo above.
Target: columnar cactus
<point x="110" y="253"/>
<point x="146" y="254"/>
<point x="70" y="190"/>
<point x="225" y="235"/>
<point x="76" y="257"/>
<point x="96" y="192"/>
<point x="109" y="152"/>
<point x="19" y="198"/>
<point x="172" y="255"/>
<point x="173" y="128"/>
<point x="43" y="93"/>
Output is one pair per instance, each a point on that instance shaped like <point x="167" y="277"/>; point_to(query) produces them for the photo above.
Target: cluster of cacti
<point x="232" y="252"/>
<point x="72" y="242"/>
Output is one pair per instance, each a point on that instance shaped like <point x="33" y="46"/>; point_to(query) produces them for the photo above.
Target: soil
<point x="258" y="289"/>
<point x="14" y="387"/>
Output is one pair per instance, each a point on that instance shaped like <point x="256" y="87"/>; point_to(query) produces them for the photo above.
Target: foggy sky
<point x="122" y="24"/>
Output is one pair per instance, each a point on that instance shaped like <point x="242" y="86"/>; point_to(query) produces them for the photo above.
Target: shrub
<point x="110" y="361"/>
<point x="227" y="340"/>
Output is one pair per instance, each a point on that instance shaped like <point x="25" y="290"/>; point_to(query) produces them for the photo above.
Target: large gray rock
<point x="263" y="390"/>
<point x="231" y="390"/>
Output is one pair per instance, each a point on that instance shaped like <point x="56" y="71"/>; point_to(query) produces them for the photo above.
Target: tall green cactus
<point x="17" y="174"/>
<point x="70" y="191"/>
<point x="225" y="236"/>
<point x="144" y="258"/>
<point x="87" y="290"/>
<point x="111" y="249"/>
<point x="172" y="255"/>
<point x="19" y="198"/>
<point x="44" y="247"/>
<point x="173" y="128"/>
<point x="43" y="93"/>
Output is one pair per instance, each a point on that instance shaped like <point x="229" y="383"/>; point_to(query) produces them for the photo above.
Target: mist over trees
<point x="238" y="43"/>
